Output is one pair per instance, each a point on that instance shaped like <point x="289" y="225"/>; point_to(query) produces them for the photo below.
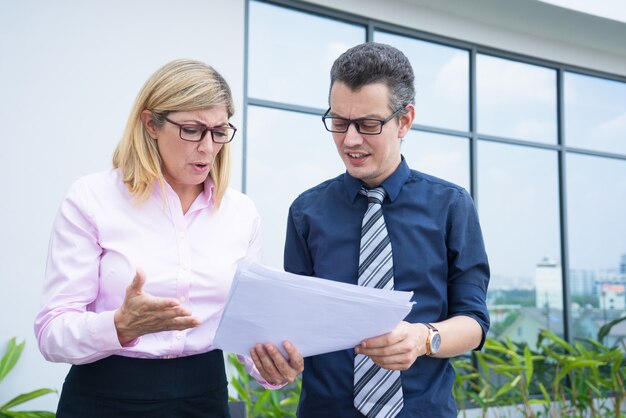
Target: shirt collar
<point x="205" y="199"/>
<point x="207" y="195"/>
<point x="392" y="185"/>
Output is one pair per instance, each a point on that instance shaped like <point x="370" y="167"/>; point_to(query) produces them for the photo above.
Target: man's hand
<point x="398" y="349"/>
<point x="142" y="313"/>
<point x="273" y="366"/>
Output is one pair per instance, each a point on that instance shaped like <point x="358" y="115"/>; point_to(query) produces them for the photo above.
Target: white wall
<point x="69" y="73"/>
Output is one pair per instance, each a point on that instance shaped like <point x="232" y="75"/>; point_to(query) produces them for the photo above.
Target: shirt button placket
<point x="182" y="284"/>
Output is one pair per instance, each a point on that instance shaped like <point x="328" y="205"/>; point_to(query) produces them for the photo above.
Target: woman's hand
<point x="273" y="366"/>
<point x="142" y="313"/>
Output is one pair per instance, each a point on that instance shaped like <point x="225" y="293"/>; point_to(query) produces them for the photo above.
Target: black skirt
<point x="121" y="387"/>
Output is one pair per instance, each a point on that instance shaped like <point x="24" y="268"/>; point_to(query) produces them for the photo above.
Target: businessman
<point x="382" y="224"/>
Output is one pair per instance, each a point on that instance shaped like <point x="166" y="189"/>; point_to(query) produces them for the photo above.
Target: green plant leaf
<point x="261" y="404"/>
<point x="593" y="343"/>
<point x="496" y="359"/>
<point x="597" y="392"/>
<point x="580" y="347"/>
<point x="274" y="398"/>
<point x="576" y="364"/>
<point x="25" y="397"/>
<point x="292" y="400"/>
<point x="528" y="362"/>
<point x="28" y="414"/>
<point x="506" y="368"/>
<point x="617" y="361"/>
<point x="10" y="357"/>
<point x="606" y="328"/>
<point x="557" y="340"/>
<point x="483" y="363"/>
<point x="544" y="392"/>
<point x="240" y="368"/>
<point x="243" y="394"/>
<point x="502" y="350"/>
<point x="504" y="389"/>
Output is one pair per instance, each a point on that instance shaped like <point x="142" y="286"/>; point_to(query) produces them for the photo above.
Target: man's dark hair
<point x="376" y="63"/>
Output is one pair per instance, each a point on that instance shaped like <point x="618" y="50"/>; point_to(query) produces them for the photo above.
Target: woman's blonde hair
<point x="180" y="85"/>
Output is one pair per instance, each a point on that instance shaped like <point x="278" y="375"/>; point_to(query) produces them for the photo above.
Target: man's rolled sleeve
<point x="468" y="266"/>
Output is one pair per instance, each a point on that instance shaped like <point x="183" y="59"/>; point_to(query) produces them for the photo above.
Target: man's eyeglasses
<point x="196" y="132"/>
<point x="364" y="126"/>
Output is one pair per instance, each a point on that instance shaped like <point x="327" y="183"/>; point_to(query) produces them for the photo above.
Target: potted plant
<point x="261" y="402"/>
<point x="7" y="362"/>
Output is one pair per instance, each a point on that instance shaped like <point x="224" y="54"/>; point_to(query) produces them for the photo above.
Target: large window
<point x="515" y="100"/>
<point x="288" y="150"/>
<point x="288" y="154"/>
<point x="290" y="53"/>
<point x="596" y="201"/>
<point x="441" y="81"/>
<point x="542" y="148"/>
<point x="442" y="156"/>
<point x="518" y="188"/>
<point x="595" y="113"/>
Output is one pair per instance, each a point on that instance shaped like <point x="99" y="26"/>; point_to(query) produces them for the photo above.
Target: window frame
<point x="372" y="25"/>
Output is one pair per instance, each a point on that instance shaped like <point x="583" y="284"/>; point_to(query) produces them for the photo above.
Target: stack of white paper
<point x="316" y="315"/>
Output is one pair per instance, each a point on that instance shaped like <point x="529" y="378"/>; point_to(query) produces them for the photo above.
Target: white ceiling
<point x="610" y="9"/>
<point x="539" y="19"/>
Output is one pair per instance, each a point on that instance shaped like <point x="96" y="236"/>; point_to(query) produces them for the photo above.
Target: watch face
<point x="435" y="343"/>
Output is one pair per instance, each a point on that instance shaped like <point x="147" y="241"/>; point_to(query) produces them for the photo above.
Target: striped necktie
<point x="377" y="392"/>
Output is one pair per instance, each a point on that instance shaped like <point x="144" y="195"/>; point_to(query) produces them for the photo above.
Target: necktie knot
<point x="375" y="195"/>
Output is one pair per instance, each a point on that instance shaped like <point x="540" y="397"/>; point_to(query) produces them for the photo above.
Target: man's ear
<point x="148" y="123"/>
<point x="406" y="120"/>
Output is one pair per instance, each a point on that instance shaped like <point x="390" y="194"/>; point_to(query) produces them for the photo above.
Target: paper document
<point x="316" y="315"/>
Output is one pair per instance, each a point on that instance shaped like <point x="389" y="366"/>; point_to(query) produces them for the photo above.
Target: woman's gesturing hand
<point x="142" y="313"/>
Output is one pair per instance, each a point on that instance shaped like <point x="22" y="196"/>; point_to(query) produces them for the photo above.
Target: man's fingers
<point x="400" y="333"/>
<point x="382" y="350"/>
<point x="388" y="339"/>
<point x="396" y="359"/>
<point x="405" y="346"/>
<point x="393" y="366"/>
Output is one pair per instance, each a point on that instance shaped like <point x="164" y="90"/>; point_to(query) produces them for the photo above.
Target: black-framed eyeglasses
<point x="196" y="132"/>
<point x="364" y="126"/>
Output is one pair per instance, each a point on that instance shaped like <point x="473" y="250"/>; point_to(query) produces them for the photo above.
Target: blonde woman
<point x="142" y="256"/>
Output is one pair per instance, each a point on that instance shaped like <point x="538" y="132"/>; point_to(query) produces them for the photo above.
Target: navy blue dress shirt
<point x="438" y="253"/>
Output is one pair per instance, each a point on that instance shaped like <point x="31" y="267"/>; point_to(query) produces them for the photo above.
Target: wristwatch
<point x="433" y="341"/>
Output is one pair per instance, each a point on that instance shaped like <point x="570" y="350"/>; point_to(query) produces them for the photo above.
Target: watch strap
<point x="430" y="326"/>
<point x="431" y="331"/>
